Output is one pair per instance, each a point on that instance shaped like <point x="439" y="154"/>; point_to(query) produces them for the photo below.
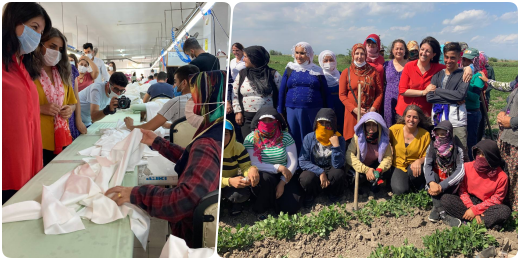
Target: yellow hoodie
<point x="235" y="156"/>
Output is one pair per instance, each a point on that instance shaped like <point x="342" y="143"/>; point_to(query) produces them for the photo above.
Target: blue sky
<point x="489" y="27"/>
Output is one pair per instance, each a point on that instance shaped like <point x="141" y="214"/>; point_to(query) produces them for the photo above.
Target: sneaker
<point x="308" y="202"/>
<point x="449" y="220"/>
<point x="434" y="215"/>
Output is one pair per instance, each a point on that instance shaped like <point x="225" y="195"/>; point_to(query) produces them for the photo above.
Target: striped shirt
<point x="273" y="155"/>
<point x="174" y="108"/>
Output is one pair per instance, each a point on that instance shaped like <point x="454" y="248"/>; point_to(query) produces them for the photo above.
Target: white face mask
<point x="51" y="57"/>
<point x="72" y="63"/>
<point x="82" y="69"/>
<point x="359" y="65"/>
<point x="110" y="68"/>
<point x="112" y="93"/>
<point x="89" y="55"/>
<point x="191" y="117"/>
<point x="329" y="66"/>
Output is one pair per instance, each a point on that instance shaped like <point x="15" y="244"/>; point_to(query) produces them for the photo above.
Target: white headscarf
<point x="312" y="68"/>
<point x="332" y="75"/>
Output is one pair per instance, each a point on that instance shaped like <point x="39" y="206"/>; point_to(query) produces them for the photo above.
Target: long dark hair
<point x="114" y="66"/>
<point x="75" y="59"/>
<point x="63" y="65"/>
<point x="406" y="51"/>
<point x="436" y="47"/>
<point x="424" y="121"/>
<point x="15" y="14"/>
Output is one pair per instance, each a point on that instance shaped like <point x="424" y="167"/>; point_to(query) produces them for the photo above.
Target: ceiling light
<point x="138" y="57"/>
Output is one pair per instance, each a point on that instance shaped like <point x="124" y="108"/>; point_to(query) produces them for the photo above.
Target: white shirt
<point x="235" y="67"/>
<point x="252" y="100"/>
<point x="103" y="73"/>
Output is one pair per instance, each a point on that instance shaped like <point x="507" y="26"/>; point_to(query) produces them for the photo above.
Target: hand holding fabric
<point x="121" y="194"/>
<point x="483" y="77"/>
<point x="370" y="174"/>
<point x="66" y="112"/>
<point x="238" y="182"/>
<point x="50" y="109"/>
<point x="148" y="137"/>
<point x="129" y="122"/>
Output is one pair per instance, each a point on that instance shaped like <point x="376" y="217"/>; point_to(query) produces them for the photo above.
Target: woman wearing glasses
<point x="100" y="99"/>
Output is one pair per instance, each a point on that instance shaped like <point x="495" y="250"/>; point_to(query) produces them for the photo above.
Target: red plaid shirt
<point x="176" y="205"/>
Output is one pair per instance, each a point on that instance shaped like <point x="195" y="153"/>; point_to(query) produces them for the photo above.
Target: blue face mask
<point x="29" y="40"/>
<point x="175" y="92"/>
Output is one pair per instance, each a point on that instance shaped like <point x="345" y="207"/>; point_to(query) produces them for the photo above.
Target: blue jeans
<point x="474" y="117"/>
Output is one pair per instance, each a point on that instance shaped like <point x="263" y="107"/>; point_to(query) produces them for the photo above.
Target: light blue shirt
<point x="93" y="94"/>
<point x="153" y="81"/>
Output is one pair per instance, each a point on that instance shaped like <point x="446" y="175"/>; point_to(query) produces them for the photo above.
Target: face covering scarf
<point x="444" y="149"/>
<point x="80" y="194"/>
<point x="323" y="134"/>
<point x="482" y="166"/>
<point x="372" y="138"/>
<point x="267" y="135"/>
<point x="372" y="54"/>
<point x="29" y="40"/>
<point x="55" y="95"/>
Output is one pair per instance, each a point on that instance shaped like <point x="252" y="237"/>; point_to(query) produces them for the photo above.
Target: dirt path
<point x="358" y="240"/>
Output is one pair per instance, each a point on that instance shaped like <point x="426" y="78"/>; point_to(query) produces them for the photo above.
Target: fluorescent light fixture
<point x="138" y="57"/>
<point x="207" y="6"/>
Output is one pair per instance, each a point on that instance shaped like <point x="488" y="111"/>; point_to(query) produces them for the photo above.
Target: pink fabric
<point x="55" y="95"/>
<point x="267" y="135"/>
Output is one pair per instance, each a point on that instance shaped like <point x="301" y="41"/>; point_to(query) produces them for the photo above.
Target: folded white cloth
<point x="81" y="194"/>
<point x="176" y="248"/>
<point x="153" y="107"/>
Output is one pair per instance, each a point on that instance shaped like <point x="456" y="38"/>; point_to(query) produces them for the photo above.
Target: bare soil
<point x="358" y="240"/>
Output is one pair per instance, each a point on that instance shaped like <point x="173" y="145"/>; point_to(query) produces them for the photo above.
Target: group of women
<point x="302" y="134"/>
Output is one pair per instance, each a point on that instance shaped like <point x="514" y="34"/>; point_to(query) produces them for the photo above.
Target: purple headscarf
<point x="359" y="129"/>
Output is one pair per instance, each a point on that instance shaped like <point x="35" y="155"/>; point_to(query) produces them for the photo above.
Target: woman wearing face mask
<point x="360" y="73"/>
<point x="86" y="78"/>
<point x="76" y="126"/>
<point x="372" y="44"/>
<point x="237" y="64"/>
<point x="272" y="150"/>
<point x="482" y="190"/>
<point x="393" y="70"/>
<point x="22" y="27"/>
<point x="198" y="165"/>
<point x="56" y="95"/>
<point x="443" y="166"/>
<point x="255" y="86"/>
<point x="328" y="63"/>
<point x="322" y="159"/>
<point x="112" y="68"/>
<point x="416" y="77"/>
<point x="303" y="92"/>
<point x="409" y="139"/>
<point x="413" y="49"/>
<point x="375" y="151"/>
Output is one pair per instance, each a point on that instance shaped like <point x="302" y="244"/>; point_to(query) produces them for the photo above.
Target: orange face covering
<point x="323" y="134"/>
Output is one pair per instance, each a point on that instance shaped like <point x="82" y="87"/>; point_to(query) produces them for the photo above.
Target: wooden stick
<point x="356" y="185"/>
<point x="486" y="116"/>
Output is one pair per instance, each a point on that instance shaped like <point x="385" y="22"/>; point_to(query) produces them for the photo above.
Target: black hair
<point x="436" y="47"/>
<point x="75" y="59"/>
<point x="162" y="76"/>
<point x="150" y="77"/>
<point x="238" y="45"/>
<point x="184" y="72"/>
<point x="13" y="15"/>
<point x="114" y="66"/>
<point x="452" y="46"/>
<point x="119" y="79"/>
<point x="88" y="45"/>
<point x="191" y="44"/>
<point x="406" y="51"/>
<point x="424" y="121"/>
<point x="134" y="74"/>
<point x="155" y="75"/>
<point x="63" y="65"/>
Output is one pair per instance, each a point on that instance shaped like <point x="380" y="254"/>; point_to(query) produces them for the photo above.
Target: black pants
<point x="494" y="215"/>
<point x="265" y="193"/>
<point x="482" y="125"/>
<point x="401" y="181"/>
<point x="247" y="117"/>
<point x="311" y="183"/>
<point x="235" y="195"/>
<point x="48" y="156"/>
<point x="7" y="194"/>
<point x="238" y="131"/>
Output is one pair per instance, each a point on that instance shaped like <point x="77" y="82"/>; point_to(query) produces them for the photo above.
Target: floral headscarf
<point x="364" y="70"/>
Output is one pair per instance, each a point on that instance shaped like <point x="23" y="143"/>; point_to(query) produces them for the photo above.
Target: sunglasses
<point x="117" y="90"/>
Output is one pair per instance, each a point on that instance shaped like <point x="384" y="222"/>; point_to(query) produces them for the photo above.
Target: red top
<point x="378" y="65"/>
<point x="21" y="137"/>
<point x="87" y="81"/>
<point x="492" y="191"/>
<point x="412" y="78"/>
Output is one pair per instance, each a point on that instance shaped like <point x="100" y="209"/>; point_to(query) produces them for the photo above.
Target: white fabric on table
<point x="176" y="248"/>
<point x="153" y="107"/>
<point x="85" y="186"/>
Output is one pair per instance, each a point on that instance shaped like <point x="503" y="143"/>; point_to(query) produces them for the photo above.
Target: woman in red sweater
<point x="482" y="190"/>
<point x="416" y="77"/>
<point x="22" y="27"/>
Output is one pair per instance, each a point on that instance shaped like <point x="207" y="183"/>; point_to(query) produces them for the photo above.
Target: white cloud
<point x="364" y="28"/>
<point x="511" y="17"/>
<point x="466" y="17"/>
<point x="511" y="38"/>
<point x="475" y="38"/>
<point x="456" y="29"/>
<point x="403" y="28"/>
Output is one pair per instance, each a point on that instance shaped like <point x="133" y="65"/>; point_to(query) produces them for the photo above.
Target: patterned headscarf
<point x="207" y="92"/>
<point x="444" y="149"/>
<point x="476" y="64"/>
<point x="483" y="60"/>
<point x="364" y="70"/>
